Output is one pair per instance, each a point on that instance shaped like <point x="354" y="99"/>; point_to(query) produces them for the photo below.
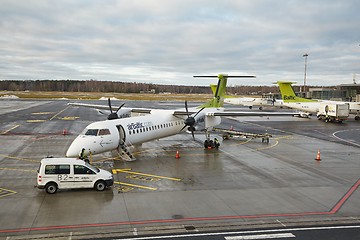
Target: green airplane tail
<point x="218" y="91"/>
<point x="288" y="94"/>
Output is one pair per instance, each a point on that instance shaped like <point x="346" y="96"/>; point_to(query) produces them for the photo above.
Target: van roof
<point x="62" y="160"/>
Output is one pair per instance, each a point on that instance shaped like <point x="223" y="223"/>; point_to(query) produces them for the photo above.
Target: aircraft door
<point x="122" y="135"/>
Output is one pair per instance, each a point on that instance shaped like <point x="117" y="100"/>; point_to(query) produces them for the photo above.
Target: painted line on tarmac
<point x="344" y="140"/>
<point x="147" y="175"/>
<point x="10" y="129"/>
<point x="261" y="236"/>
<point x="58" y="113"/>
<point x="137" y="186"/>
<point x="35" y="121"/>
<point x="347" y="195"/>
<point x="18" y="158"/>
<point x="6" y="192"/>
<point x="17" y="169"/>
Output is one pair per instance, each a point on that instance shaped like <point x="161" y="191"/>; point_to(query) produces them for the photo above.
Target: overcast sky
<point x="169" y="41"/>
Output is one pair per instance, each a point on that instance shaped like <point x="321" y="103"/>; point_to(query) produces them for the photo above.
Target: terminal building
<point x="343" y="92"/>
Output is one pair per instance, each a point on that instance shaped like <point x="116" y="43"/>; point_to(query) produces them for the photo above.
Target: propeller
<point x="190" y="121"/>
<point x="113" y="115"/>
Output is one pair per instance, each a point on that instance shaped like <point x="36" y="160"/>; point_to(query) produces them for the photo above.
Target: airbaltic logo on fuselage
<point x="289" y="97"/>
<point x="137" y="125"/>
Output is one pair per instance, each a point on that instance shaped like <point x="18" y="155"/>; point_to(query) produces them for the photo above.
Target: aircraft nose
<point x="73" y="150"/>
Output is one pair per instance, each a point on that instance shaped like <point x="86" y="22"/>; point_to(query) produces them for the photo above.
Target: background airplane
<point x="250" y="102"/>
<point x="309" y="105"/>
<point x="122" y="134"/>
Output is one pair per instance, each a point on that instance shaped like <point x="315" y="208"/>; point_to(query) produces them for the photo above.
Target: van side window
<point x="57" y="169"/>
<point x="79" y="169"/>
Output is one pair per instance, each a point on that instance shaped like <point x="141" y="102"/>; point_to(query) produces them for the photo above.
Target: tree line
<point x="124" y="87"/>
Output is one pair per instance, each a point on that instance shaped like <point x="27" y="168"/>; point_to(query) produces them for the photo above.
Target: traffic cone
<point x="177" y="155"/>
<point x="318" y="156"/>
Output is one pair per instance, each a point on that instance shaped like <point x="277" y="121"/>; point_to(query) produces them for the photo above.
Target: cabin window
<point x="104" y="132"/>
<point x="91" y="132"/>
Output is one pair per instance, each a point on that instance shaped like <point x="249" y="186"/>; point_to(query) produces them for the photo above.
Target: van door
<point x="59" y="173"/>
<point x="84" y="177"/>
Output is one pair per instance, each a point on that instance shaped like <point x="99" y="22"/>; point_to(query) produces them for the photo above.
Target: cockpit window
<point x="104" y="132"/>
<point x="92" y="132"/>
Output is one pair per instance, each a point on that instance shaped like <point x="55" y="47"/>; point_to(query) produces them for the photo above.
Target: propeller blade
<point x="183" y="128"/>
<point x="198" y="112"/>
<point x="192" y="133"/>
<point x="120" y="107"/>
<point x="186" y="107"/>
<point x="109" y="102"/>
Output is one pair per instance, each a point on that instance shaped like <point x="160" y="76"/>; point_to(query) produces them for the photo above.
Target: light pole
<point x="305" y="55"/>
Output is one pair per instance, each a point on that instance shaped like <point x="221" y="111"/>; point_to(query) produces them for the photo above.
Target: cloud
<point x="170" y="41"/>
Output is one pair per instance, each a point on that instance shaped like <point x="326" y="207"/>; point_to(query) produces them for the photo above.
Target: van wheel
<point x="100" y="186"/>
<point x="51" y="188"/>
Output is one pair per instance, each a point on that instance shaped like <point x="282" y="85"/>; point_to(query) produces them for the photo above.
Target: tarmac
<point x="245" y="183"/>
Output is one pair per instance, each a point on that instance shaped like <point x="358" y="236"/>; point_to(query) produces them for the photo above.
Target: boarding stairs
<point x="125" y="153"/>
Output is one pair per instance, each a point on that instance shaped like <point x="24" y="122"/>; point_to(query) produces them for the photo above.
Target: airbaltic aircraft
<point x="250" y="102"/>
<point x="309" y="105"/>
<point x="120" y="134"/>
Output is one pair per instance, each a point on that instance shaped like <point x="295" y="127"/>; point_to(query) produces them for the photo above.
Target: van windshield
<point x="95" y="169"/>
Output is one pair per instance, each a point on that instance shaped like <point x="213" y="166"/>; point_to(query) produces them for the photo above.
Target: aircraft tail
<point x="219" y="90"/>
<point x="213" y="89"/>
<point x="288" y="94"/>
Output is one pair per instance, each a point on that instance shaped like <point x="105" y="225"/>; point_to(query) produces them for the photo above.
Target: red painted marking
<point x="341" y="202"/>
<point x="334" y="210"/>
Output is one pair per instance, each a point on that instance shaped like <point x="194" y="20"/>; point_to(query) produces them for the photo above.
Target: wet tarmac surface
<point x="245" y="182"/>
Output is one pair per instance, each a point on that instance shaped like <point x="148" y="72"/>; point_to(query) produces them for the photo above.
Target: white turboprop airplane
<point x="250" y="102"/>
<point x="310" y="105"/>
<point x="120" y="134"/>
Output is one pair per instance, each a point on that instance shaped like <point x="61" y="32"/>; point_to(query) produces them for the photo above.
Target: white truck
<point x="67" y="173"/>
<point x="333" y="112"/>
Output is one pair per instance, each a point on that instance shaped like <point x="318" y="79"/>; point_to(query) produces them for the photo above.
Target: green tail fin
<point x="219" y="93"/>
<point x="288" y="94"/>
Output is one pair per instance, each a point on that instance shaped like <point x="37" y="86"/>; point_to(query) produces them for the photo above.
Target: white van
<point x="66" y="173"/>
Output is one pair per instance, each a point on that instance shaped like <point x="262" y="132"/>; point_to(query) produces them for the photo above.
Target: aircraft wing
<point x="240" y="114"/>
<point x="106" y="107"/>
<point x="182" y="113"/>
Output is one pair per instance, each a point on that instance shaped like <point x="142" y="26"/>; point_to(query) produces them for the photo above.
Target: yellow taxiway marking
<point x="114" y="171"/>
<point x="5" y="132"/>
<point x="35" y="121"/>
<point x="44" y="113"/>
<point x="68" y="118"/>
<point x="18" y="158"/>
<point x="134" y="185"/>
<point x="41" y="113"/>
<point x="9" y="192"/>
<point x="58" y="113"/>
<point x="147" y="175"/>
<point x="18" y="169"/>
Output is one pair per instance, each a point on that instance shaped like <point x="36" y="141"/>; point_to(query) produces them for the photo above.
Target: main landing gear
<point x="211" y="144"/>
